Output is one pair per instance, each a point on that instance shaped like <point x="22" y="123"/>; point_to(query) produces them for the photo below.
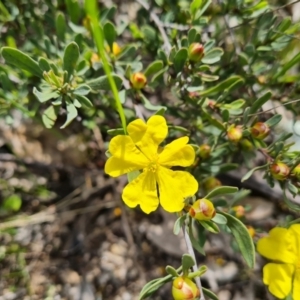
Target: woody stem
<point x="192" y="253"/>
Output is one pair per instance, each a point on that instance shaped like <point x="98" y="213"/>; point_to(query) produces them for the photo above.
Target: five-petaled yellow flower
<point x="140" y="150"/>
<point x="283" y="247"/>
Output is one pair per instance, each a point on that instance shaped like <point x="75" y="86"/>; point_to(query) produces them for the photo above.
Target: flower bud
<point x="210" y="183"/>
<point x="234" y="134"/>
<point x="279" y="170"/>
<point x="251" y="231"/>
<point x="239" y="211"/>
<point x="196" y="52"/>
<point x="138" y="80"/>
<point x="246" y="145"/>
<point x="184" y="288"/>
<point x="204" y="151"/>
<point x="260" y="130"/>
<point x="95" y="58"/>
<point x="202" y="210"/>
<point x="296" y="172"/>
<point x="116" y="49"/>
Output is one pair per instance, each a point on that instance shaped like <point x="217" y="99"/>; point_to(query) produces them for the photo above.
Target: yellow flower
<point x="156" y="183"/>
<point x="283" y="247"/>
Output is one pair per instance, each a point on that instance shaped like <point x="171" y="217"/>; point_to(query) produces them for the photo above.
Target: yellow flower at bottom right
<point x="282" y="246"/>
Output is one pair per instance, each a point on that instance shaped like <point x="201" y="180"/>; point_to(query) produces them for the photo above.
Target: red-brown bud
<point x="279" y="170"/>
<point x="234" y="133"/>
<point x="184" y="288"/>
<point x="202" y="210"/>
<point x="196" y="52"/>
<point x="204" y="151"/>
<point x="260" y="130"/>
<point x="138" y="80"/>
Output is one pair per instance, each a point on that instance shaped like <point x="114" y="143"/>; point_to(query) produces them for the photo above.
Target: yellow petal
<point x="148" y="136"/>
<point x="122" y="147"/>
<point x="279" y="279"/>
<point x="177" y="153"/>
<point x="295" y="231"/>
<point x="116" y="167"/>
<point x="279" y="246"/>
<point x="174" y="187"/>
<point x="142" y="191"/>
<point x="137" y="129"/>
<point x="296" y="286"/>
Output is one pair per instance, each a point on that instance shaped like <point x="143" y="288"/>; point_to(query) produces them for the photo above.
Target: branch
<point x="192" y="253"/>
<point x="158" y="24"/>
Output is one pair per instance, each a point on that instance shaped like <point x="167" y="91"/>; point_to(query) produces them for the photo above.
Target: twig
<point x="192" y="253"/>
<point x="159" y="25"/>
<point x="236" y="46"/>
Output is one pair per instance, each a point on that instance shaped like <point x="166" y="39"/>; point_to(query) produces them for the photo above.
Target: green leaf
<point x="149" y="105"/>
<point x="45" y="96"/>
<point x="71" y="113"/>
<point x="102" y="83"/>
<point x="242" y="237"/>
<point x="153" y="68"/>
<point x="60" y="25"/>
<point x="290" y="204"/>
<point x="70" y="59"/>
<point x="44" y="64"/>
<point x="116" y="131"/>
<point x="204" y="7"/>
<point x="180" y="59"/>
<point x="212" y="56"/>
<point x="122" y="96"/>
<point x="187" y="262"/>
<point x="293" y="189"/>
<point x="237" y="104"/>
<point x="210" y="226"/>
<point x="21" y="60"/>
<point x="82" y="90"/>
<point x="158" y="75"/>
<point x="287" y="66"/>
<point x="12" y="203"/>
<point x="195" y="5"/>
<point x="84" y="101"/>
<point x="219" y="219"/>
<point x="110" y="33"/>
<point x="209" y="294"/>
<point x="213" y="121"/>
<point x="49" y="116"/>
<point x="162" y="56"/>
<point x="274" y="120"/>
<point x="196" y="244"/>
<point x="192" y="35"/>
<point x="153" y="286"/>
<point x="170" y="270"/>
<point x="260" y="102"/>
<point x="128" y="51"/>
<point x="221" y="190"/>
<point x="178" y="224"/>
<point x="74" y="10"/>
<point x="249" y="173"/>
<point x="226" y="84"/>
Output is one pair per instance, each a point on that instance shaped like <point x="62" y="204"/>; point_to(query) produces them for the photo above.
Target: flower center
<point x="153" y="166"/>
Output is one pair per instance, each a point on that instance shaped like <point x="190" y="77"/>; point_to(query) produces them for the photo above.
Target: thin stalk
<point x="192" y="253"/>
<point x="93" y="12"/>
